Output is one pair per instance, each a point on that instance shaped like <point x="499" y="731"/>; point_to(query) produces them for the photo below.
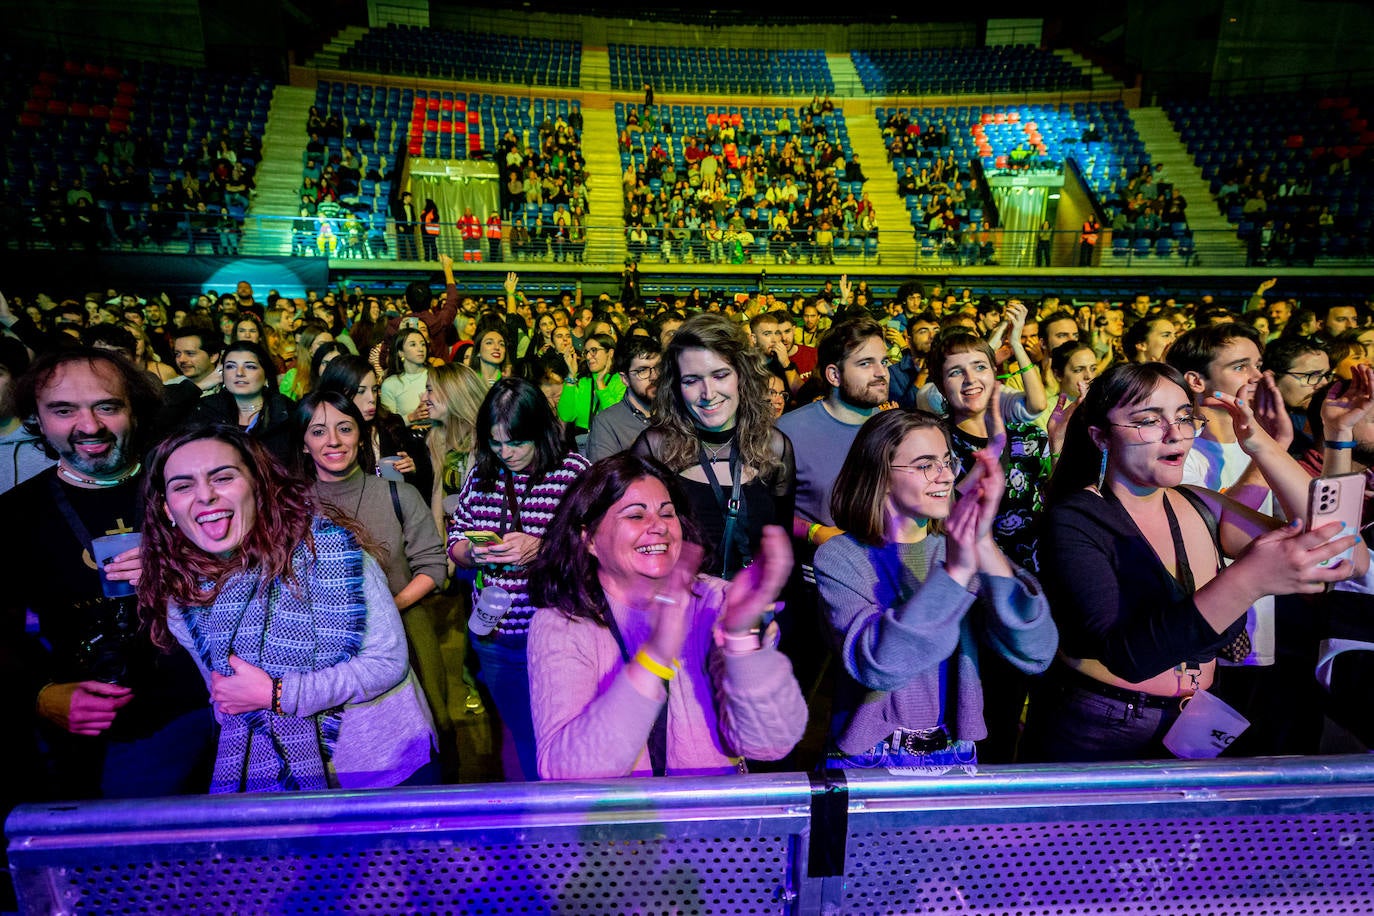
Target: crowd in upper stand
<point x="736" y="190"/>
<point x="977" y="501"/>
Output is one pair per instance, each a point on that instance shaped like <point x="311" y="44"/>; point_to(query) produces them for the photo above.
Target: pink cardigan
<point x="590" y="722"/>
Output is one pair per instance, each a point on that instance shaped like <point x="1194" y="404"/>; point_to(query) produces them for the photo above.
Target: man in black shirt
<point x="100" y="710"/>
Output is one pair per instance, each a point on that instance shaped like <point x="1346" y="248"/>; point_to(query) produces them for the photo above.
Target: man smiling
<point x="109" y="716"/>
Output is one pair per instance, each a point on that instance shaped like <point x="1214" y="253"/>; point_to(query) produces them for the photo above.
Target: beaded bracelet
<point x="276" y="696"/>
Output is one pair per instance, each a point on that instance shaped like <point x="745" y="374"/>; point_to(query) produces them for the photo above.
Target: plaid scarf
<point x="314" y="623"/>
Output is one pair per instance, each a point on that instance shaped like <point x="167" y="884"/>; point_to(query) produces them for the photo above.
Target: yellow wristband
<point x="654" y="667"/>
<point x="811" y="532"/>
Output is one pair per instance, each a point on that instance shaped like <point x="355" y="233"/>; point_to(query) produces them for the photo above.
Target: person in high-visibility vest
<point x="429" y="222"/>
<point x="494" y="237"/>
<point x="1087" y="241"/>
<point x="471" y="230"/>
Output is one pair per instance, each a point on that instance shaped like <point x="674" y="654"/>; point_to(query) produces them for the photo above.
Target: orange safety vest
<point x="494" y="228"/>
<point x="432" y="226"/>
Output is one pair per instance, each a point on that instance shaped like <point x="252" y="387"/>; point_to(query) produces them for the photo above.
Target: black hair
<point x="523" y="410"/>
<point x="1195" y="350"/>
<point x="564" y="573"/>
<point x="633" y="347"/>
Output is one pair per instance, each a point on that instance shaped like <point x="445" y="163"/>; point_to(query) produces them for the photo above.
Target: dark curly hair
<point x="564" y="573"/>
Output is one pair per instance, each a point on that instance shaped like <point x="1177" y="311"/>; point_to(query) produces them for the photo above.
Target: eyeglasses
<point x="1152" y="430"/>
<point x="646" y="372"/>
<point x="588" y="351"/>
<point x="932" y="469"/>
<point x="1314" y="378"/>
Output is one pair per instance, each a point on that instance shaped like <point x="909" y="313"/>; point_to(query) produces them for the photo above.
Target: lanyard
<point x="511" y="505"/>
<point x="658" y="735"/>
<point x="729" y="508"/>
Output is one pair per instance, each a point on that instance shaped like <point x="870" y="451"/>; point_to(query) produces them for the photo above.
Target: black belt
<point x="1074" y="678"/>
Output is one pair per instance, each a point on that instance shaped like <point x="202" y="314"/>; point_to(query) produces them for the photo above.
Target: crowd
<point x="741" y="196"/>
<point x="660" y="537"/>
<point x="201" y="205"/>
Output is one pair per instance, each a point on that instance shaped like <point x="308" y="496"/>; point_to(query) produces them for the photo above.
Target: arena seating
<point x="1048" y="134"/>
<point x="68" y="115"/>
<point x="1306" y="152"/>
<point x="444" y="54"/>
<point x="755" y="128"/>
<point x="720" y="70"/>
<point x="1007" y="68"/>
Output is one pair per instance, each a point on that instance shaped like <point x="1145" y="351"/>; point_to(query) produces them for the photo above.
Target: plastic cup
<point x="106" y="548"/>
<point x="1205" y="728"/>
<point x="492" y="605"/>
<point x="387" y="468"/>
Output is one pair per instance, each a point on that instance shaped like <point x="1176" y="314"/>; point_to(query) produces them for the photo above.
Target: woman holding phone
<point x="1132" y="565"/>
<point x="520" y="475"/>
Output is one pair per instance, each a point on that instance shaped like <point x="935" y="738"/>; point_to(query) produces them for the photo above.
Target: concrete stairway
<point x="606" y="221"/>
<point x="328" y="56"/>
<point x="847" y="83"/>
<point x="1101" y="81"/>
<point x="595" y="73"/>
<point x="1214" y="238"/>
<point x="279" y="174"/>
<point x="896" y="244"/>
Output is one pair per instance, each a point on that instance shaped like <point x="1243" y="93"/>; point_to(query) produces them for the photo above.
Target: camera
<point x="106" y="648"/>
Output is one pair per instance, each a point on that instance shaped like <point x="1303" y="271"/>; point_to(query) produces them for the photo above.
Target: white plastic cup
<point x="1205" y="728"/>
<point x="492" y="605"/>
<point x="386" y="468"/>
<point x="106" y="548"/>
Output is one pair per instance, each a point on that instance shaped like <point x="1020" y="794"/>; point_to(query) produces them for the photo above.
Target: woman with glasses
<point x="918" y="595"/>
<point x="1132" y="564"/>
<point x="597" y="387"/>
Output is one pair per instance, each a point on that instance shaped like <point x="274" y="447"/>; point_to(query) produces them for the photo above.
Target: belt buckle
<point x="922" y="740"/>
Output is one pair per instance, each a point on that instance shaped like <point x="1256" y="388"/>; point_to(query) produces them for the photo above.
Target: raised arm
<point x="885" y="642"/>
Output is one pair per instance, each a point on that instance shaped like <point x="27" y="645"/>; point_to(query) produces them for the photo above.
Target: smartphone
<point x="482" y="537"/>
<point x="1336" y="499"/>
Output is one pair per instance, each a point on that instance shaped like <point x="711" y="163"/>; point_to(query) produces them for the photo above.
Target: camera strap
<point x="73" y="520"/>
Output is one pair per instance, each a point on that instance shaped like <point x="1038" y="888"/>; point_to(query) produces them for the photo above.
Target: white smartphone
<point x="1336" y="499"/>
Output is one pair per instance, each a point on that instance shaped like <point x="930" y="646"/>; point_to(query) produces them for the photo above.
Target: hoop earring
<point x="1102" y="470"/>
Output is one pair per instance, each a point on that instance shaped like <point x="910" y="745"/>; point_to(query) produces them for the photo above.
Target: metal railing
<point x="1175" y="837"/>
<point x="608" y="244"/>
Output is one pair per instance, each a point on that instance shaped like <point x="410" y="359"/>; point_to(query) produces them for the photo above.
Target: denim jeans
<point x="505" y="671"/>
<point x="1070" y="724"/>
<point x="960" y="754"/>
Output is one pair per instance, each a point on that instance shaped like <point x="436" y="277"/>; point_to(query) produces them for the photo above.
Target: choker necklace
<point x="82" y="479"/>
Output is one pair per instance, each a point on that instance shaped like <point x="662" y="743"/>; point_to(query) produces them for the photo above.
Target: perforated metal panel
<point x="680" y="876"/>
<point x="1192" y="837"/>
<point x="1310" y="864"/>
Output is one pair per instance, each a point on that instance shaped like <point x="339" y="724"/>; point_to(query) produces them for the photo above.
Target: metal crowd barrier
<point x="1290" y="835"/>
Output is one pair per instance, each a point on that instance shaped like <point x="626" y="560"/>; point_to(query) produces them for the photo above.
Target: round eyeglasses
<point x="1152" y="430"/>
<point x="932" y="469"/>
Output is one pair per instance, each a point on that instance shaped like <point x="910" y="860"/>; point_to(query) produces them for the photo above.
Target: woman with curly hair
<point x="639" y="665"/>
<point x="712" y="427"/>
<point x="290" y="621"/>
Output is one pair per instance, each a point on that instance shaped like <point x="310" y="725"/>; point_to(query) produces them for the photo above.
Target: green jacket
<point x="576" y="403"/>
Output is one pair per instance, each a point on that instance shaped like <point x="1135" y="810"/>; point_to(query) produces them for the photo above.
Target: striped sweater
<point x="486" y="510"/>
